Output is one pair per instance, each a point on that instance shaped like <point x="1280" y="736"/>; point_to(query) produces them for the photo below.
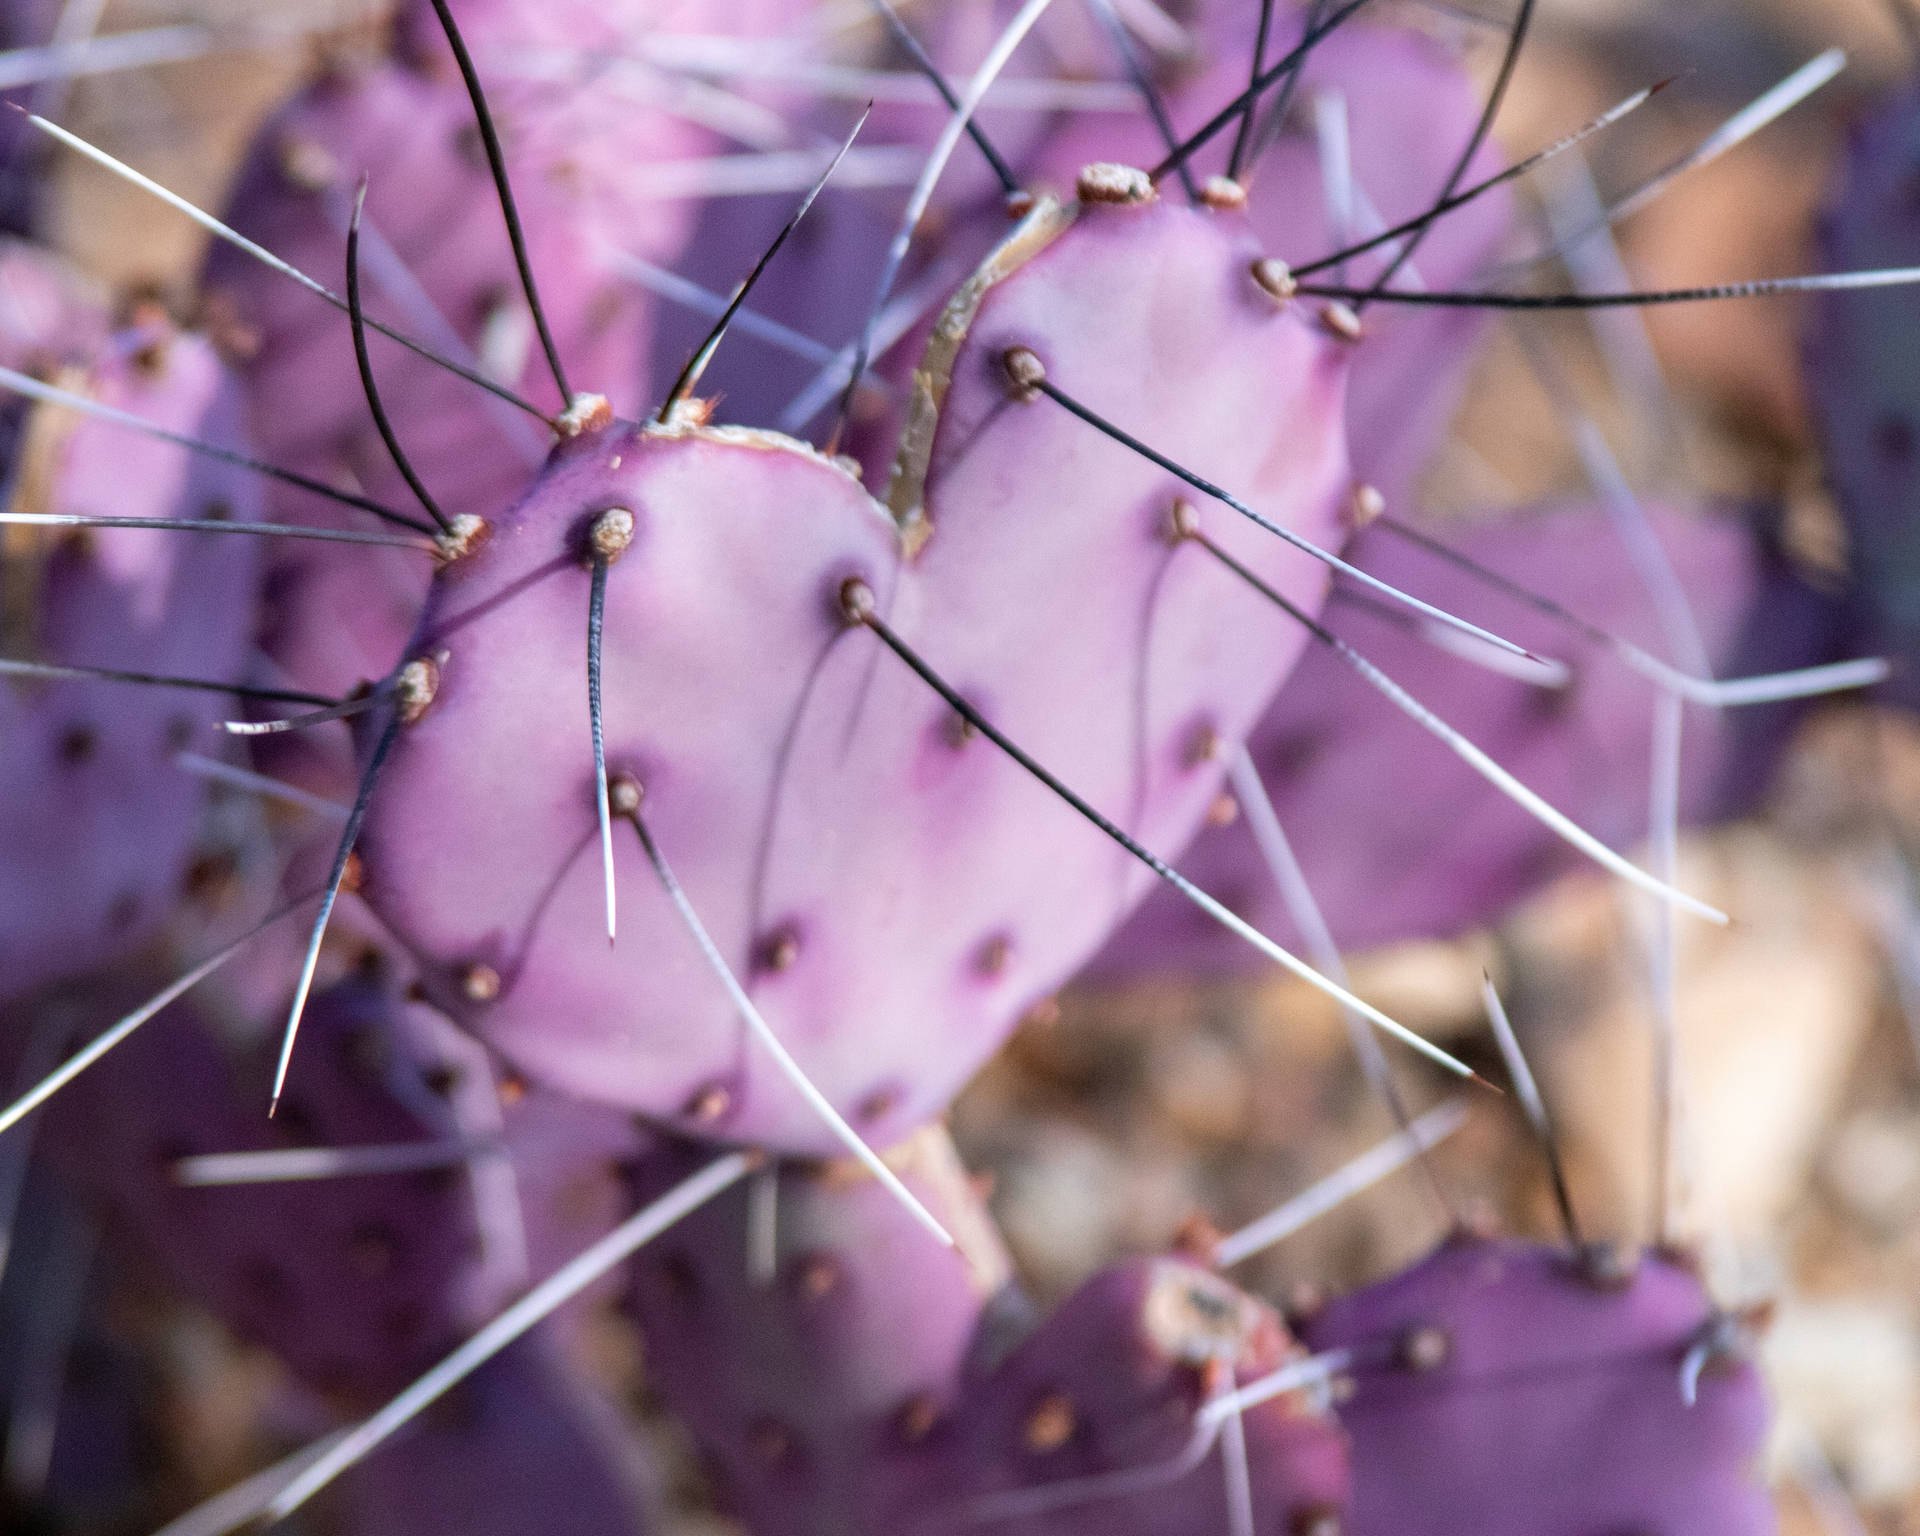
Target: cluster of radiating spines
<point x="815" y="763"/>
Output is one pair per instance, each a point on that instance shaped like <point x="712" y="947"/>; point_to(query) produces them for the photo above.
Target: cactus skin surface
<point x="568" y="1165"/>
<point x="1398" y="837"/>
<point x="1499" y="1387"/>
<point x="98" y="1471"/>
<point x="98" y="827"/>
<point x="793" y="773"/>
<point x="23" y="24"/>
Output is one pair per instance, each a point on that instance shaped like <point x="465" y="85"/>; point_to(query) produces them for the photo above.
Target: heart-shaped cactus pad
<point x="892" y="890"/>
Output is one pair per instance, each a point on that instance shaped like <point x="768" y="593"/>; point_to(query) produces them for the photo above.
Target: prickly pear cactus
<point x="523" y="1447"/>
<point x="337" y="621"/>
<point x="805" y="1327"/>
<point x="1099" y="1420"/>
<point x="439" y="265"/>
<point x="902" y="729"/>
<point x="1400" y="105"/>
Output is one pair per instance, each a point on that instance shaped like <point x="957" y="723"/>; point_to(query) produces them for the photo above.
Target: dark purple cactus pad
<point x="51" y="317"/>
<point x="868" y="1384"/>
<point x="340" y="616"/>
<point x="1864" y="383"/>
<point x="24" y="24"/>
<point x="98" y="826"/>
<point x="59" y="1324"/>
<point x="519" y="1447"/>
<point x="356" y="1283"/>
<point x="1410" y="109"/>
<point x="820" y="803"/>
<point x="1506" y="1388"/>
<point x="569" y="1163"/>
<point x="1401" y="839"/>
<point x="794" y="1381"/>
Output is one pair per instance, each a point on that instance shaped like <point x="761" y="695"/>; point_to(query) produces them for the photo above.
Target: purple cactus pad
<point x="98" y="827"/>
<point x="1516" y="1390"/>
<point x="357" y="1283"/>
<point x="823" y="808"/>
